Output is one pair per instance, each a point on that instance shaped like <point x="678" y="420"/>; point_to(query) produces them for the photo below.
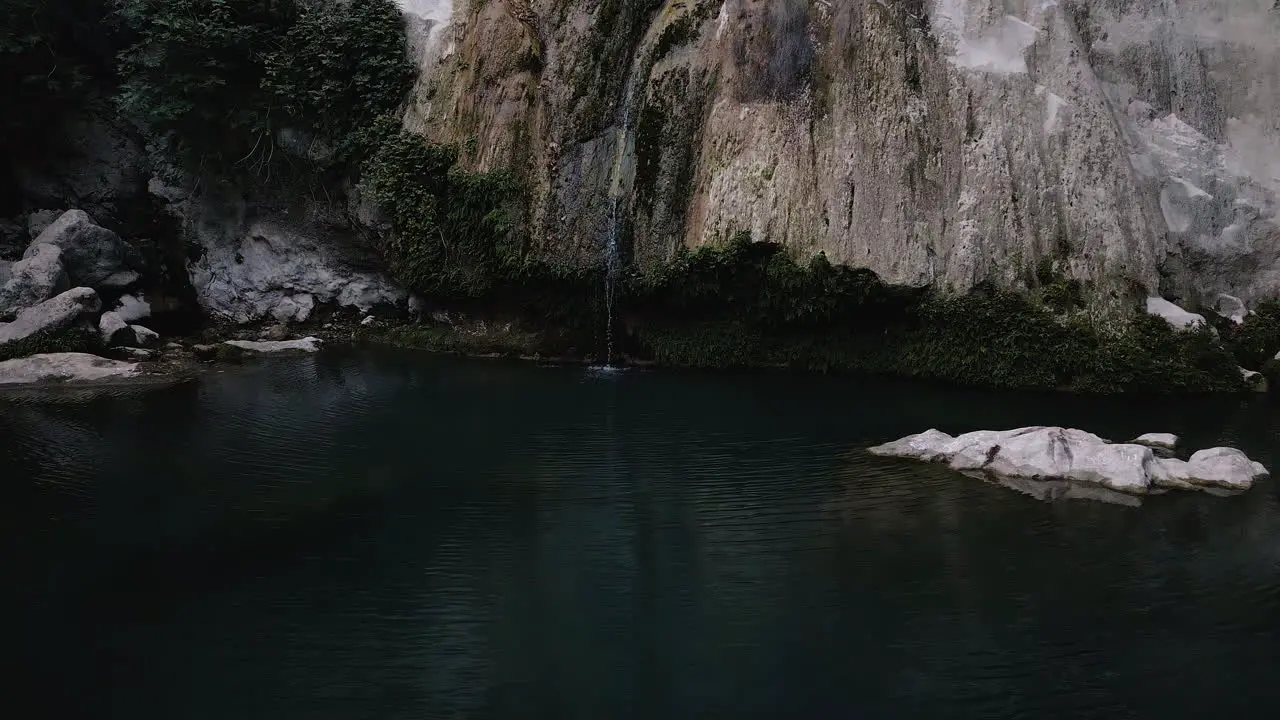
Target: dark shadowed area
<point x="392" y="535"/>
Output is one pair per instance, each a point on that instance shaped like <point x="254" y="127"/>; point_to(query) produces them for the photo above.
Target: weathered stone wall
<point x="1133" y="144"/>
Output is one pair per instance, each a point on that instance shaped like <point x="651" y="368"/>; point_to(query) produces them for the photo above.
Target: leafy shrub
<point x="196" y="73"/>
<point x="748" y="304"/>
<point x="455" y="232"/>
<point x="220" y="78"/>
<point x="1256" y="341"/>
<point x="340" y="67"/>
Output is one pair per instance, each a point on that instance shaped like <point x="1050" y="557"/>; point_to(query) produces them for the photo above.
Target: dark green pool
<point x="387" y="535"/>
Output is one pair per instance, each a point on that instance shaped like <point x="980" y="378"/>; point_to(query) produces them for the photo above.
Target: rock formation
<point x="1060" y="454"/>
<point x="1131" y="144"/>
<point x="64" y="367"/>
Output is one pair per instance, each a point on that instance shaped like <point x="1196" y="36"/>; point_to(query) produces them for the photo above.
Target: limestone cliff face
<point x="1134" y="144"/>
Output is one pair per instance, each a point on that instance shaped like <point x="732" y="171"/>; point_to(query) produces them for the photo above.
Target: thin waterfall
<point x="621" y="177"/>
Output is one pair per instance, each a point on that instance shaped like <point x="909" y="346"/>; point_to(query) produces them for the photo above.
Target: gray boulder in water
<point x="1054" y="453"/>
<point x="47" y="319"/>
<point x="93" y="255"/>
<point x="32" y="280"/>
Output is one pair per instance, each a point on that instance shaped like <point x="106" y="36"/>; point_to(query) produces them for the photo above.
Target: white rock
<point x="91" y="254"/>
<point x="63" y="367"/>
<point x="34" y="279"/>
<point x="114" y="330"/>
<point x="133" y="308"/>
<point x="1173" y="314"/>
<point x="1231" y="307"/>
<point x="294" y="308"/>
<point x="928" y="445"/>
<point x="1163" y="441"/>
<point x="1223" y="467"/>
<point x="1054" y="453"/>
<point x="307" y="344"/>
<point x="367" y="320"/>
<point x="270" y="269"/>
<point x="144" y="336"/>
<point x="51" y="316"/>
<point x="1175" y="475"/>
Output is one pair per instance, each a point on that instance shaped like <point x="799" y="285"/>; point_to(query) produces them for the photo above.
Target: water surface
<point x="393" y="535"/>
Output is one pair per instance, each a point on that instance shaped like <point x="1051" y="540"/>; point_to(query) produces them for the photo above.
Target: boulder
<point x="205" y="352"/>
<point x="63" y="367"/>
<point x="1176" y="475"/>
<point x="307" y="344"/>
<point x="1174" y="315"/>
<point x="93" y="255"/>
<point x="114" y="330"/>
<point x="48" y="318"/>
<point x="1162" y="443"/>
<point x="294" y="308"/>
<point x="1225" y="468"/>
<point x="1061" y="454"/>
<point x="145" y="337"/>
<point x="282" y="269"/>
<point x="1231" y="307"/>
<point x="34" y="279"/>
<point x="1254" y="380"/>
<point x="41" y="219"/>
<point x="132" y="307"/>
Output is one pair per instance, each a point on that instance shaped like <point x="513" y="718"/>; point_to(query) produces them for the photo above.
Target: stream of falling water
<point x="622" y="174"/>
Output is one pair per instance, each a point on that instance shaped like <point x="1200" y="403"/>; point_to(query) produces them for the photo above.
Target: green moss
<point x="1256" y="341"/>
<point x="78" y="339"/>
<point x="748" y="304"/>
<point x="454" y="231"/>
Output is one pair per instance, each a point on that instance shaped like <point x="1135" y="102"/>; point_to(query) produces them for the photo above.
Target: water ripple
<point x="396" y="536"/>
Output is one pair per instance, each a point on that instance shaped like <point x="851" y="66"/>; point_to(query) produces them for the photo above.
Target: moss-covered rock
<point x="81" y="338"/>
<point x="748" y="304"/>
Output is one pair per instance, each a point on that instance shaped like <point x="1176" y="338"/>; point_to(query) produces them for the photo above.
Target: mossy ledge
<point x="748" y="304"/>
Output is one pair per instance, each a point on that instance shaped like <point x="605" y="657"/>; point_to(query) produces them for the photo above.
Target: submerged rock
<point x="1054" y="453"/>
<point x="306" y="344"/>
<point x="64" y="367"/>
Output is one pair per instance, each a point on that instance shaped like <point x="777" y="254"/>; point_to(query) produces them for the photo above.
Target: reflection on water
<point x="395" y="536"/>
